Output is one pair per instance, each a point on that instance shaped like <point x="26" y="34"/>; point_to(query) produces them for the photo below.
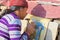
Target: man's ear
<point x="12" y="8"/>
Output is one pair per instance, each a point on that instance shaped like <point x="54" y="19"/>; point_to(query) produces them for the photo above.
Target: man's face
<point x="22" y="12"/>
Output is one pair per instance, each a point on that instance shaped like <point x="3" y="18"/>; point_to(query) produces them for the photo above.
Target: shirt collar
<point x="14" y="15"/>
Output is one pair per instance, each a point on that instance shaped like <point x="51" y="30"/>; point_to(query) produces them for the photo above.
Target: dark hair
<point x="14" y="8"/>
<point x="7" y="11"/>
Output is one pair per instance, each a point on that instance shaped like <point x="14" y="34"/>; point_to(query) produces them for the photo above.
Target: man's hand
<point x="30" y="28"/>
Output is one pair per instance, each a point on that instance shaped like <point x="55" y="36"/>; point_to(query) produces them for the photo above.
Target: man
<point x="10" y="24"/>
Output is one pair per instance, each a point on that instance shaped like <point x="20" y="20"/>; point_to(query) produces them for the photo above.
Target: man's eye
<point x="21" y="8"/>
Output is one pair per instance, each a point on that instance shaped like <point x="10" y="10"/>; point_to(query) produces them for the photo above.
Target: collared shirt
<point x="10" y="27"/>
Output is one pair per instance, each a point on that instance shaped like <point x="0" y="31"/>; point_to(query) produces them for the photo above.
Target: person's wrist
<point x="28" y="33"/>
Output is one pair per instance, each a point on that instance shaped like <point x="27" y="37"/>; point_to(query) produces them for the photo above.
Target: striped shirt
<point x="10" y="27"/>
